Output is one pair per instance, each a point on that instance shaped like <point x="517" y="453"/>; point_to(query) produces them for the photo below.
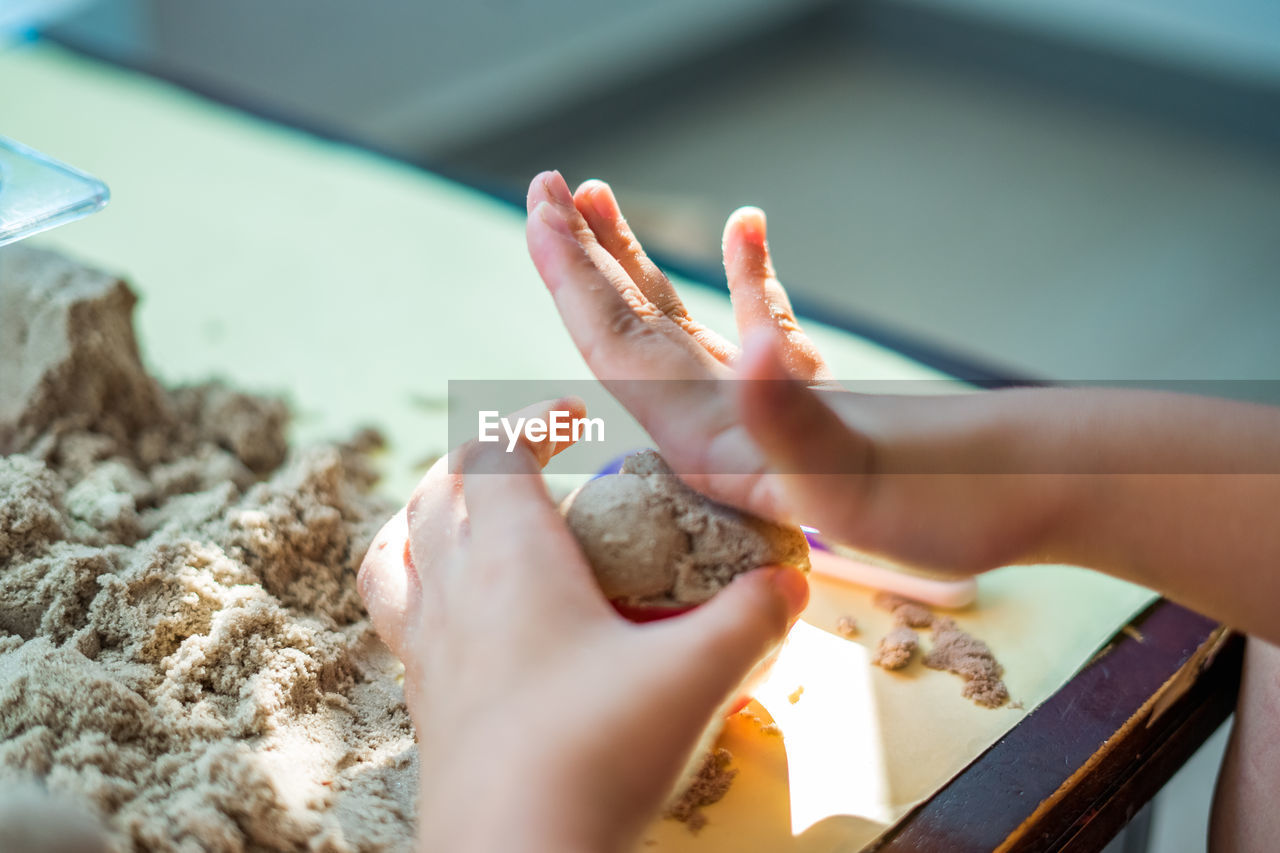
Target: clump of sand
<point x="847" y="627"/>
<point x="953" y="650"/>
<point x="965" y="655"/>
<point x="710" y="783"/>
<point x="653" y="540"/>
<point x="183" y="653"/>
<point x="908" y="613"/>
<point x="896" y="648"/>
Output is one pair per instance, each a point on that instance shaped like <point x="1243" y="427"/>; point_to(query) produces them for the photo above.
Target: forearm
<point x="1175" y="492"/>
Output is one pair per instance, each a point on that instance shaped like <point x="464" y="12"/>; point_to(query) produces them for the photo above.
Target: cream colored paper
<point x="359" y="287"/>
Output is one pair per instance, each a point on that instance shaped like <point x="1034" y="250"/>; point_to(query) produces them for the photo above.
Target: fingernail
<point x="753" y="225"/>
<point x="554" y="219"/>
<point x="557" y="189"/>
<point x="792" y="587"/>
<point x="602" y="200"/>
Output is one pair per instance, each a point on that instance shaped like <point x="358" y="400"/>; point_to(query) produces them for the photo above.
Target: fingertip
<point x="747" y="224"/>
<point x="752" y="614"/>
<point x="595" y="199"/>
<point x="576" y="408"/>
<point x="557" y="188"/>
<point x="573" y="404"/>
<point x="386" y="578"/>
<point x="791" y="586"/>
<point x="537" y="190"/>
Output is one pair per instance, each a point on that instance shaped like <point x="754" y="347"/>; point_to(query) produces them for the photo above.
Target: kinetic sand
<point x="183" y="654"/>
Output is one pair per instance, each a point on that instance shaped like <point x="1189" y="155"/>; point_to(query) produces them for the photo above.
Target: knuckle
<point x="787" y="324"/>
<point x="753" y="263"/>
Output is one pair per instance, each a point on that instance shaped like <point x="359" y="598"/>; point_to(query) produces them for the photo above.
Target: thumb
<point x="387" y="581"/>
<point x="722" y="640"/>
<point x="820" y="468"/>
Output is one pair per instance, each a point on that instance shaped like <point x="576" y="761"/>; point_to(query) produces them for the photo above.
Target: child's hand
<point x="545" y="721"/>
<point x="817" y="455"/>
<point x="1173" y="491"/>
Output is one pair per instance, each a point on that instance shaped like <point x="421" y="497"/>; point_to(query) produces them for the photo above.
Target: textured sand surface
<point x="183" y="653"/>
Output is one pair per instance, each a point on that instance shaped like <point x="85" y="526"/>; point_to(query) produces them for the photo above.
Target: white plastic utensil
<point x="835" y="561"/>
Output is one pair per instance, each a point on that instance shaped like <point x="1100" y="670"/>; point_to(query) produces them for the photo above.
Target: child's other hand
<point x="890" y="475"/>
<point x="545" y="721"/>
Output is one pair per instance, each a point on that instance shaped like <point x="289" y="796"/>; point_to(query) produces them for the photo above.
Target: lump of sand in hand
<point x="896" y="648"/>
<point x="965" y="655"/>
<point x="652" y="540"/>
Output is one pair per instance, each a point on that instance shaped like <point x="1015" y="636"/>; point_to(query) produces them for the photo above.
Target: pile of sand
<point x="954" y="650"/>
<point x="182" y="647"/>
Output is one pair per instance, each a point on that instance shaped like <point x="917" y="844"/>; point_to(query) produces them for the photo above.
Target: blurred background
<point x="1067" y="189"/>
<point x="1073" y="189"/>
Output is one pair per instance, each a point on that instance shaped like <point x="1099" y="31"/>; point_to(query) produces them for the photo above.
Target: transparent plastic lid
<point x="38" y="193"/>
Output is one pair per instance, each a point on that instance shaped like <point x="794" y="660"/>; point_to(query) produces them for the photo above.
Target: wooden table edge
<point x="1096" y="751"/>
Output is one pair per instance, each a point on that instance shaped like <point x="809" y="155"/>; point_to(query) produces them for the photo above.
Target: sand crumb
<point x="965" y="655"/>
<point x="896" y="648"/>
<point x="709" y="785"/>
<point x="769" y="728"/>
<point x="847" y="626"/>
<point x="907" y="612"/>
<point x="183" y="653"/>
<point x="794" y="696"/>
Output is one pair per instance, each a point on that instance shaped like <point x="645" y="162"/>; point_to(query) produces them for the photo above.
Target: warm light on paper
<point x="835" y="751"/>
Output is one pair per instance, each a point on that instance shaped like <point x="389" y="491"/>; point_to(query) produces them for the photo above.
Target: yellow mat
<point x="358" y="287"/>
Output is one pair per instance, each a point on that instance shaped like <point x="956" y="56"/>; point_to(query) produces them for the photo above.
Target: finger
<point x="436" y="512"/>
<point x="599" y="207"/>
<point x="821" y="471"/>
<point x="519" y="532"/>
<point x="387" y="582"/>
<point x="550" y="188"/>
<point x="435" y="520"/>
<point x="503" y="488"/>
<point x="619" y="332"/>
<point x="759" y="300"/>
<point x="624" y="348"/>
<point x="723" y="640"/>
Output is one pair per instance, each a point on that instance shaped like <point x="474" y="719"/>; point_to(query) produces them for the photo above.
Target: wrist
<point x="1026" y="443"/>
<point x="1046" y="447"/>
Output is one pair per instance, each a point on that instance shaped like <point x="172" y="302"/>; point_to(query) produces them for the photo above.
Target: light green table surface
<point x="358" y="286"/>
